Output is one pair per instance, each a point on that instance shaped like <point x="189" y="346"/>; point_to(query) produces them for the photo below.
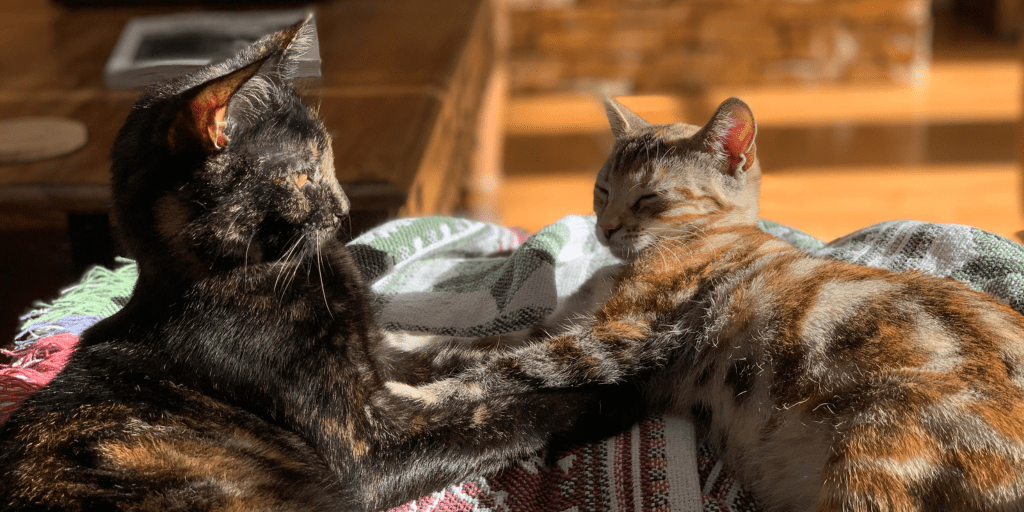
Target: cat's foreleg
<point x="464" y="439"/>
<point x="604" y="352"/>
<point x="419" y="357"/>
<point x="607" y="349"/>
<point x="513" y="404"/>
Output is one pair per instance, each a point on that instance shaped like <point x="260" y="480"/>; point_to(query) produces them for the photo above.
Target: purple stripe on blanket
<point x="73" y="324"/>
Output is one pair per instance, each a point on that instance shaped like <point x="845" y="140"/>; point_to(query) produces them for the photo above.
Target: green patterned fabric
<point x="100" y="293"/>
<point x="988" y="262"/>
<point x="463" y="278"/>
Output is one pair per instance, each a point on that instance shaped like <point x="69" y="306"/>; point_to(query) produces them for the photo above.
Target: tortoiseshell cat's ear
<point x="624" y="121"/>
<point x="205" y="120"/>
<point x="283" y="48"/>
<point x="730" y="133"/>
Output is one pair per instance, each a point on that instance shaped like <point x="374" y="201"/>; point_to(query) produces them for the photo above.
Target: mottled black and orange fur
<point x="247" y="372"/>
<point x="826" y="386"/>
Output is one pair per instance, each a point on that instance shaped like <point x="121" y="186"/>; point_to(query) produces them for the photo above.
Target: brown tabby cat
<point x="247" y="371"/>
<point x="826" y="385"/>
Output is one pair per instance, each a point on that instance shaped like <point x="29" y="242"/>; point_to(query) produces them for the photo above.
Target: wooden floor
<point x="835" y="159"/>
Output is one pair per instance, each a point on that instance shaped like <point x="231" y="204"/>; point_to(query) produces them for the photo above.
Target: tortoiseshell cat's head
<point x="677" y="178"/>
<point x="237" y="171"/>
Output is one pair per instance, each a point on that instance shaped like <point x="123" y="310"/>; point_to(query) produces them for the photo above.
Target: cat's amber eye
<point x="301" y="180"/>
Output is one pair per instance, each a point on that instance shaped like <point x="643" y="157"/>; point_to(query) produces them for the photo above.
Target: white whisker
<point x="295" y="272"/>
<point x="245" y="262"/>
<point x="284" y="260"/>
<point x="320" y="272"/>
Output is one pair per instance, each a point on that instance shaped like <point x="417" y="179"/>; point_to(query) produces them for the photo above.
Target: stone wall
<point x="671" y="45"/>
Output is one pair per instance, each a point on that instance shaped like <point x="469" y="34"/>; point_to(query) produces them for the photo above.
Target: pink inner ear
<point x="208" y="110"/>
<point x="739" y="144"/>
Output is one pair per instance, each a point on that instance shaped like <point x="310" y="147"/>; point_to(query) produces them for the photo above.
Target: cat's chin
<point x="317" y="240"/>
<point x="617" y="249"/>
<point x="624" y="252"/>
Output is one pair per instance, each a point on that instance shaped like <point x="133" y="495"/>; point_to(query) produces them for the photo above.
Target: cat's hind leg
<point x="885" y="454"/>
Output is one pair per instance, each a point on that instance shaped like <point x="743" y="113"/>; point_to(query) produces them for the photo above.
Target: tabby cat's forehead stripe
<point x="643" y="156"/>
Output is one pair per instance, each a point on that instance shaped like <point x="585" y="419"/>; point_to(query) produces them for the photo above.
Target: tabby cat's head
<point x="676" y="179"/>
<point x="227" y="166"/>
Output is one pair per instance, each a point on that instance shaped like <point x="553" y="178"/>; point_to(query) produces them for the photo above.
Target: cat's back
<point x="108" y="434"/>
<point x="898" y="386"/>
<point x="833" y="322"/>
<point x="923" y="379"/>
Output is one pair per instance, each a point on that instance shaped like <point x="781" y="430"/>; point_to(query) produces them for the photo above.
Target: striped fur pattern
<point x="827" y="386"/>
<point x="247" y="371"/>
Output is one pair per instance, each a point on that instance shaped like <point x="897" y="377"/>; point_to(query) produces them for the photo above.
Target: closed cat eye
<point x="636" y="205"/>
<point x="602" y="190"/>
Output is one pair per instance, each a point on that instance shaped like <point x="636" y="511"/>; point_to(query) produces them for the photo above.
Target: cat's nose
<point x="609" y="230"/>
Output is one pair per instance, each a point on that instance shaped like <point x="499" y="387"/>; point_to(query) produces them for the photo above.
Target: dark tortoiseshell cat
<point x="246" y="372"/>
<point x="827" y="386"/>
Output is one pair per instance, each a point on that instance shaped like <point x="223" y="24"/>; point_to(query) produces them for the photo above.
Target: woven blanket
<point x="467" y="278"/>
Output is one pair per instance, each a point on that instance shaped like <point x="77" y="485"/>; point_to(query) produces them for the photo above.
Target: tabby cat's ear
<point x="731" y="132"/>
<point x="623" y="121"/>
